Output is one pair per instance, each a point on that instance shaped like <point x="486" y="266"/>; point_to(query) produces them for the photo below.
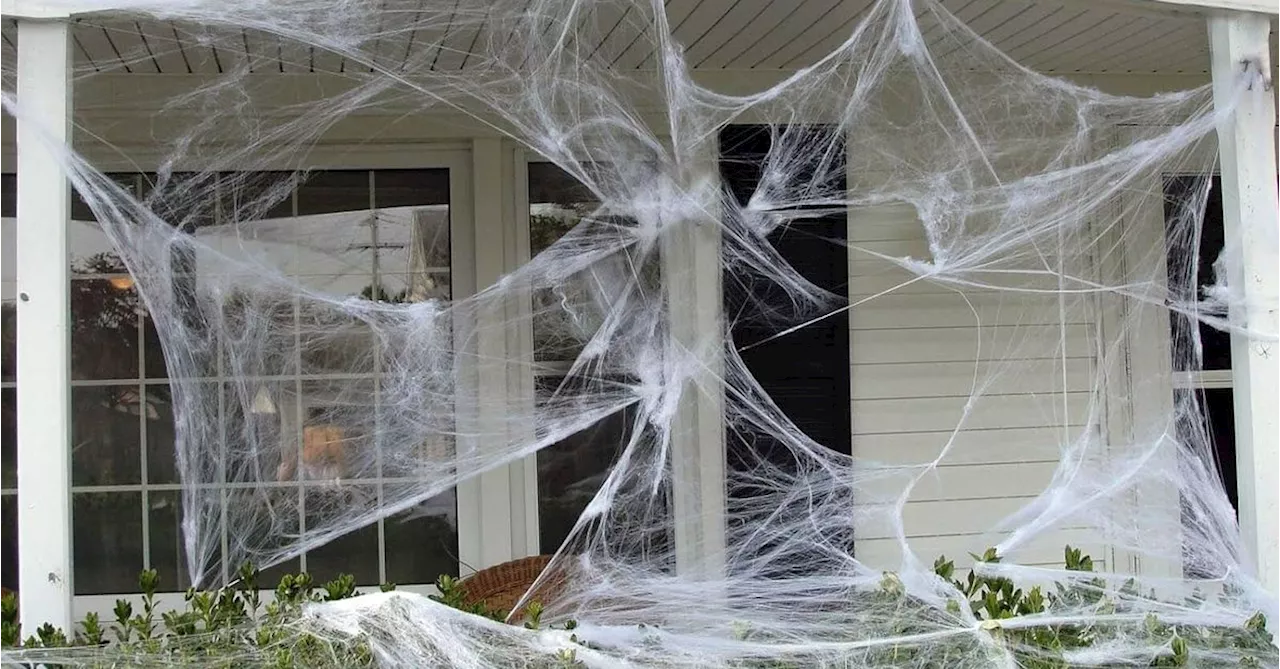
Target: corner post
<point x="1248" y="163"/>
<point x="691" y="270"/>
<point x="44" y="344"/>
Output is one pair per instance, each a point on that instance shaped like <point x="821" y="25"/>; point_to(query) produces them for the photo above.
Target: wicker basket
<point x="501" y="586"/>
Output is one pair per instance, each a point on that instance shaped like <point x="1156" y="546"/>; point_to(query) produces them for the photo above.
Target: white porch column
<point x="691" y="271"/>
<point x="44" y="347"/>
<point x="490" y="492"/>
<point x="1249" y="214"/>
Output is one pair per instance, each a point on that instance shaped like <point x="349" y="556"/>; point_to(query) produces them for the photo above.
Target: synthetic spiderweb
<point x="1010" y="243"/>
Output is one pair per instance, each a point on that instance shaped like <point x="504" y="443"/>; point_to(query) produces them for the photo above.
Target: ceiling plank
<point x="756" y="33"/>
<point x="833" y="39"/>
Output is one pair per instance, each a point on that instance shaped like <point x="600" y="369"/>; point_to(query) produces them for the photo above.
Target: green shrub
<point x="231" y="627"/>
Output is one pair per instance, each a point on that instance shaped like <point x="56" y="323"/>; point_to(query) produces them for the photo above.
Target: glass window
<point x="1204" y="400"/>
<point x="383" y="235"/>
<point x="1187" y="198"/>
<point x="9" y="541"/>
<point x="571" y="471"/>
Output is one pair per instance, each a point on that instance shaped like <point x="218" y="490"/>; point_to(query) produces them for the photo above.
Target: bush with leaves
<point x="231" y="627"/>
<point x="1021" y="627"/>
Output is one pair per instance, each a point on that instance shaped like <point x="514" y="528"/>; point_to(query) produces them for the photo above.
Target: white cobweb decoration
<point x="1033" y="197"/>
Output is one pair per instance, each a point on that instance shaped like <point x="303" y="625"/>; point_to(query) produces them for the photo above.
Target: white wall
<point x="918" y="355"/>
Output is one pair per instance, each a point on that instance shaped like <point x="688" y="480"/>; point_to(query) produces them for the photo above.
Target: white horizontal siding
<point x="1013" y="371"/>
<point x="1037" y="444"/>
<point x="968" y="344"/>
<point x="906" y="380"/>
<point x="1042" y="551"/>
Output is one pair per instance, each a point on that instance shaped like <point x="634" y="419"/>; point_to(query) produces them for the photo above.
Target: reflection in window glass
<point x="8" y="337"/>
<point x="90" y="250"/>
<point x="8" y="277"/>
<point x="106" y="435"/>
<point x="421" y="543"/>
<point x="107" y="538"/>
<point x="355" y="553"/>
<point x="571" y="471"/>
<point x="160" y="434"/>
<point x="9" y="541"/>
<point x="562" y="316"/>
<point x="104" y="328"/>
<point x="9" y="444"/>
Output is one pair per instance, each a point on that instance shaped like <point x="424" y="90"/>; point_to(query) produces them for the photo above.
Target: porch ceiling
<point x="1055" y="37"/>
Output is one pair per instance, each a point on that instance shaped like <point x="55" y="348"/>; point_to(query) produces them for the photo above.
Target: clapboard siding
<point x="1014" y="371"/>
<point x="1037" y="444"/>
<point x="990" y="308"/>
<point x="940" y="484"/>
<point x="968" y="344"/>
<point x="1041" y="551"/>
<point x="988" y="412"/>
<point x="910" y="380"/>
<point x="944" y="517"/>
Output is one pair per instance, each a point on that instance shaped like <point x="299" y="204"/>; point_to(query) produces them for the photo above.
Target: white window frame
<point x="454" y="156"/>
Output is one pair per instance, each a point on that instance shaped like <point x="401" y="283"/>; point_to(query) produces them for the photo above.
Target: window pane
<point x="91" y="251"/>
<point x="1184" y="196"/>
<point x="355" y="553"/>
<point x="413" y="252"/>
<point x="107" y="538"/>
<point x="411" y="188"/>
<point x="167" y="548"/>
<point x="557" y="202"/>
<point x="9" y="542"/>
<point x="255" y="196"/>
<point x="567" y="316"/>
<point x="152" y="350"/>
<point x="571" y="471"/>
<point x="411" y="229"/>
<point x="274" y="517"/>
<point x="9" y="195"/>
<point x="105" y="435"/>
<point x="9" y="443"/>
<point x="1219" y="406"/>
<point x="422" y="542"/>
<point x="8" y="284"/>
<point x="8" y="338"/>
<point x="104" y="328"/>
<point x="335" y="342"/>
<point x="326" y="192"/>
<point x="1206" y="417"/>
<point x="160" y="435"/>
<point x="181" y="198"/>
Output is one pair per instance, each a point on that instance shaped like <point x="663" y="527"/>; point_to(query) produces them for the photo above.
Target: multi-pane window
<point x="380" y="234"/>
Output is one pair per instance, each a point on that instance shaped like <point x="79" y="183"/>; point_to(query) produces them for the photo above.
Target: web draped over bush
<point x="1037" y="212"/>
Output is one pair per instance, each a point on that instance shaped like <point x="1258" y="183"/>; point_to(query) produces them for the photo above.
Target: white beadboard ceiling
<point x="1075" y="36"/>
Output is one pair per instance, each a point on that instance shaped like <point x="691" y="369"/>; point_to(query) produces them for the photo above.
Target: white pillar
<point x="494" y="486"/>
<point x="691" y="270"/>
<point x="1248" y="163"/>
<point x="44" y="347"/>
